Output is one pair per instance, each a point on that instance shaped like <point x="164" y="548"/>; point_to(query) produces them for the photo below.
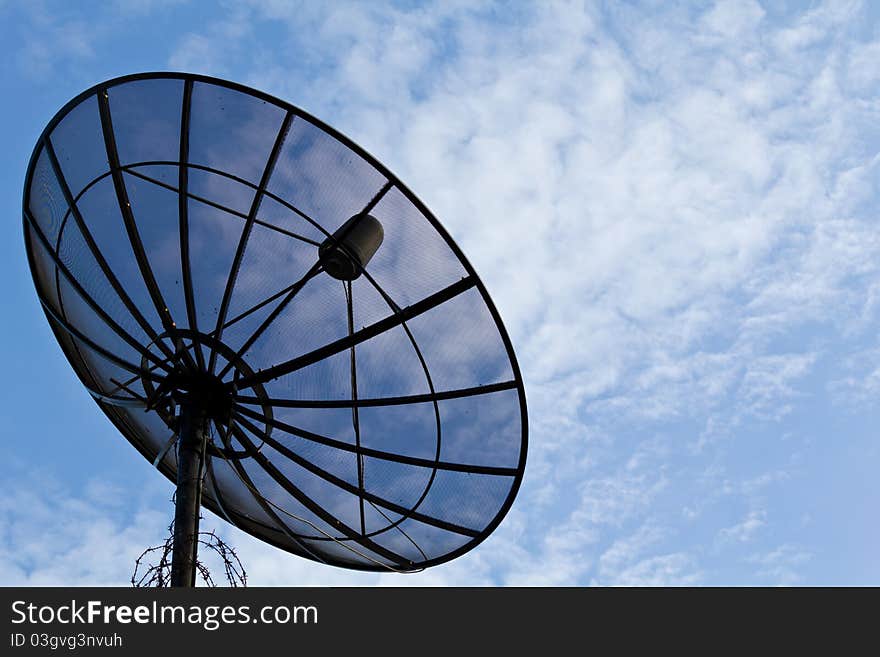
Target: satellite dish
<point x="275" y="322"/>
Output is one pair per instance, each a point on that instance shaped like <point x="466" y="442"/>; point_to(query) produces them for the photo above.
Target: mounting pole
<point x="193" y="433"/>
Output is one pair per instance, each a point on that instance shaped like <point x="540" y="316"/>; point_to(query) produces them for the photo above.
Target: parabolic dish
<point x="372" y="419"/>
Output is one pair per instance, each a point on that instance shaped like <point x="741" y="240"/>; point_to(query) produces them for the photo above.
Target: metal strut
<point x="193" y="434"/>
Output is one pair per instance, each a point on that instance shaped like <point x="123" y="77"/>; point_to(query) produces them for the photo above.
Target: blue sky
<point x="674" y="208"/>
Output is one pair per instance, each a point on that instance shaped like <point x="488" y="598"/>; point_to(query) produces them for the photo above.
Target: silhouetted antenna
<point x="276" y="323"/>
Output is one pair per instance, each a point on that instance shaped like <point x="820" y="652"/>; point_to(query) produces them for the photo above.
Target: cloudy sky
<point x="673" y="205"/>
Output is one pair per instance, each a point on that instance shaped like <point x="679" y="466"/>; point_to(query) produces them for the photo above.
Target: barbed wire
<point x="148" y="574"/>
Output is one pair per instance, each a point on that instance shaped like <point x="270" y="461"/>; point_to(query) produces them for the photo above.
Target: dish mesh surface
<point x="173" y="223"/>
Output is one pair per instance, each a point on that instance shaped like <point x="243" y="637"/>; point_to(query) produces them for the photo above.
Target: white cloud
<point x="731" y="18"/>
<point x="204" y="51"/>
<point x="144" y="7"/>
<point x="744" y="531"/>
<point x="663" y="570"/>
<point x="781" y="565"/>
<point x="50" y="38"/>
<point x="53" y="535"/>
<point x="629" y="562"/>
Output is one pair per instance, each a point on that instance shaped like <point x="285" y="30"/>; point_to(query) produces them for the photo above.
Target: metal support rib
<point x="314" y="270"/>
<point x="373" y="453"/>
<point x="132" y="170"/>
<point x="134" y="238"/>
<point x="295" y="289"/>
<point x="96" y="252"/>
<point x="246" y="232"/>
<point x="436" y="406"/>
<point x="357" y="337"/>
<point x="183" y="216"/>
<point x="355" y="420"/>
<point x="347" y="487"/>
<point x="79" y="335"/>
<point x="90" y="302"/>
<point x="217" y="494"/>
<point x="379" y="401"/>
<point x="292" y="290"/>
<point x="92" y="383"/>
<point x="281" y="526"/>
<point x="241" y="316"/>
<point x="312" y="506"/>
<point x="396" y="309"/>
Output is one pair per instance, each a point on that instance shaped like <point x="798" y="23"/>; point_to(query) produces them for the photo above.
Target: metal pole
<point x="190" y="453"/>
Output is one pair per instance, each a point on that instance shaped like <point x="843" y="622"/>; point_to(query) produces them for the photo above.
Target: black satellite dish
<point x="230" y="275"/>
